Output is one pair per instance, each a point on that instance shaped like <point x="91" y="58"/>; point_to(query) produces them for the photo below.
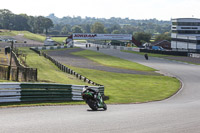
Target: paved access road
<point x="178" y="114"/>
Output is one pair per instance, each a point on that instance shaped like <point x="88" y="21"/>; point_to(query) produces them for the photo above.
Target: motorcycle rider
<point x="95" y="92"/>
<point x="97" y="96"/>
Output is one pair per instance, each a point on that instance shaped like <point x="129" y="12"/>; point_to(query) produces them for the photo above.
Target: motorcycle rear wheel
<point x="92" y="104"/>
<point x="104" y="106"/>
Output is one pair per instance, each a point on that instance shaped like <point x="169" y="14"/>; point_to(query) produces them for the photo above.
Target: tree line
<point x="11" y="21"/>
<point x="143" y="30"/>
<point x="112" y="25"/>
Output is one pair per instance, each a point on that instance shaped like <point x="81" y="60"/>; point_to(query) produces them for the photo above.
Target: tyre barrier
<point x="33" y="92"/>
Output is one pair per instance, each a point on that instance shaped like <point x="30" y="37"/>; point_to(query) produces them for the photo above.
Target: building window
<point x="186" y="40"/>
<point x="186" y="31"/>
<point x="186" y="23"/>
<point x="189" y="28"/>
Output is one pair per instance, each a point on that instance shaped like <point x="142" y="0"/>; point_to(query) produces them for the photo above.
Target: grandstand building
<point x="185" y="34"/>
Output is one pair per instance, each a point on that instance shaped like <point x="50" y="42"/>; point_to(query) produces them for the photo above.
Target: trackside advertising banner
<point x="102" y="36"/>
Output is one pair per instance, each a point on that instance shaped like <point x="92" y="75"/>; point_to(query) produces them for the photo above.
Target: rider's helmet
<point x="85" y="88"/>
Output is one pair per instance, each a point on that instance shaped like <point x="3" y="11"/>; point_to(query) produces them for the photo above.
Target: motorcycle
<point x="93" y="99"/>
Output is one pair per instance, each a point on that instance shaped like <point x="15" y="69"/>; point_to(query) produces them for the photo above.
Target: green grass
<point x="31" y="36"/>
<point x="6" y="33"/>
<point x="26" y="34"/>
<point x="112" y="61"/>
<point x="5" y="80"/>
<point x="59" y="39"/>
<point x="130" y="88"/>
<point x="47" y="71"/>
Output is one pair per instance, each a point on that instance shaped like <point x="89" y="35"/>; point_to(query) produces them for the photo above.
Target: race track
<point x="178" y="114"/>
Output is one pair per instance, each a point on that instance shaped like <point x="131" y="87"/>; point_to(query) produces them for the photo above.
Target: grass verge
<point x="59" y="39"/>
<point x="26" y="34"/>
<point x="131" y="88"/>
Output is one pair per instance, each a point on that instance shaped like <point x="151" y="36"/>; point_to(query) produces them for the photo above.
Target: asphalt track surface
<point x="178" y="114"/>
<point x="81" y="62"/>
<point x="20" y="42"/>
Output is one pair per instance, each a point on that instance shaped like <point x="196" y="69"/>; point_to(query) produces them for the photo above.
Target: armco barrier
<point x="24" y="92"/>
<point x="50" y="47"/>
<point x="179" y="53"/>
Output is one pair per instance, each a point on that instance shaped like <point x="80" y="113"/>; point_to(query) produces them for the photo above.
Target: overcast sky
<point x="133" y="9"/>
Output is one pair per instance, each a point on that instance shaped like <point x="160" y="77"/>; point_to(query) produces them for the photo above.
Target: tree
<point x="42" y="24"/>
<point x="116" y="32"/>
<point x="38" y="24"/>
<point x="6" y="17"/>
<point x="128" y="29"/>
<point x="20" y="22"/>
<point x="114" y="28"/>
<point x="164" y="36"/>
<point x="66" y="29"/>
<point x="97" y="28"/>
<point x="77" y="29"/>
<point x="86" y="28"/>
<point x="47" y="24"/>
<point x="142" y="36"/>
<point x="31" y="22"/>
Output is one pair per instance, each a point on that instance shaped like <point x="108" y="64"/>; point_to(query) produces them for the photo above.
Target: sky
<point x="132" y="9"/>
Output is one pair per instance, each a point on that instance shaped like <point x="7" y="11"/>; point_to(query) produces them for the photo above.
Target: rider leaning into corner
<point x="96" y="101"/>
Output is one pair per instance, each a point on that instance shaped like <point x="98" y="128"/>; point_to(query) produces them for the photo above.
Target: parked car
<point x="157" y="48"/>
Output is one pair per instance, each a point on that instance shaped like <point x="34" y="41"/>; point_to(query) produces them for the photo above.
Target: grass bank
<point x="26" y="34"/>
<point x="47" y="71"/>
<point x="131" y="88"/>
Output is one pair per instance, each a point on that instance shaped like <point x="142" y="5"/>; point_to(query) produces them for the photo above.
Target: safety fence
<point x="17" y="72"/>
<point x="3" y="72"/>
<point x="3" y="45"/>
<point x="65" y="68"/>
<point x="178" y="53"/>
<point x="23" y="73"/>
<point x="33" y="92"/>
<point x="114" y="47"/>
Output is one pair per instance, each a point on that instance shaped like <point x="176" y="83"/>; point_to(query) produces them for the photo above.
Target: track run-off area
<point x="177" y="114"/>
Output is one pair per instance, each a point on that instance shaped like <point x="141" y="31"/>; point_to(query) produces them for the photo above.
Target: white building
<point x="185" y="34"/>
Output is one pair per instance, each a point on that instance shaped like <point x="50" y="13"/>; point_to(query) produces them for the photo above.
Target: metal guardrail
<point x="31" y="92"/>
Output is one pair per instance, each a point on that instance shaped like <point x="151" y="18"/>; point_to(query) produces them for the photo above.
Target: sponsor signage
<point x="102" y="36"/>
